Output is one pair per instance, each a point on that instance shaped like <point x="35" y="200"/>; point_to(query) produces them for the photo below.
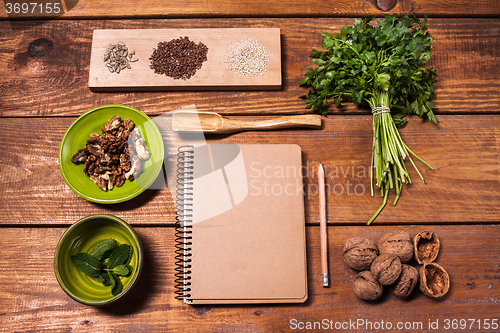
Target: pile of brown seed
<point x="118" y="57"/>
<point x="179" y="58"/>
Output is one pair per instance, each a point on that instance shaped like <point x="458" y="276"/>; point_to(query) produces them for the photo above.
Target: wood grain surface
<point x="35" y="302"/>
<point x="466" y="53"/>
<point x="44" y="76"/>
<point x="463" y="187"/>
<point x="212" y="8"/>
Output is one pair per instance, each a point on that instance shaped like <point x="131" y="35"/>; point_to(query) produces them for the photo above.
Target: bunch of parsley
<point x="383" y="67"/>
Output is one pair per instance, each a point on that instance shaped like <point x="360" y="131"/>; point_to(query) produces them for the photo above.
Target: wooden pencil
<point x="322" y="215"/>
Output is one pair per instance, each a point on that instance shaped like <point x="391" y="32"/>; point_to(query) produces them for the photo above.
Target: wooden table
<point x="41" y="96"/>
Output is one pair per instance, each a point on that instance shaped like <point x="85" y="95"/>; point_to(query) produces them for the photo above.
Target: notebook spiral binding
<point x="184" y="208"/>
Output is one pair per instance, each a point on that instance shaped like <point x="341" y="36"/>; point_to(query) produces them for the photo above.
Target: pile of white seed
<point x="248" y="58"/>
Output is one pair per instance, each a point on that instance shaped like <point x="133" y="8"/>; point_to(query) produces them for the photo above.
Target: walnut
<point x="366" y="287"/>
<point x="426" y="245"/>
<point x="398" y="243"/>
<point x="113" y="124"/>
<point x="80" y="156"/>
<point x="100" y="181"/>
<point x="125" y="162"/>
<point x="128" y="124"/>
<point x="386" y="268"/>
<point x="359" y="253"/>
<point x="407" y="281"/>
<point x="108" y="159"/>
<point x="95" y="139"/>
<point x="135" y="135"/>
<point x="434" y="280"/>
<point x="140" y="149"/>
<point x="119" y="177"/>
<point x="94" y="149"/>
<point x="89" y="163"/>
<point x="136" y="168"/>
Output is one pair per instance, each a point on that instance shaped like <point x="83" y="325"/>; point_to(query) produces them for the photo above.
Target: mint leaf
<point x="118" y="286"/>
<point x="130" y="270"/>
<point x="99" y="279"/>
<point x="102" y="247"/>
<point x="130" y="255"/>
<point x="121" y="270"/>
<point x="87" y="263"/>
<point x="104" y="279"/>
<point x="120" y="256"/>
<point x="112" y="281"/>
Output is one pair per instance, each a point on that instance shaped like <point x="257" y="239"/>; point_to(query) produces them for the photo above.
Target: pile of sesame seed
<point x="179" y="58"/>
<point x="248" y="58"/>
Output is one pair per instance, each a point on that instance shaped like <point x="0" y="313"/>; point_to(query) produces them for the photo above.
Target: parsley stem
<point x="386" y="194"/>
<point x="348" y="45"/>
<point x="388" y="153"/>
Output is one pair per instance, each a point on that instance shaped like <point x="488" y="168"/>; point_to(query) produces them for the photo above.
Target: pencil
<point x="322" y="224"/>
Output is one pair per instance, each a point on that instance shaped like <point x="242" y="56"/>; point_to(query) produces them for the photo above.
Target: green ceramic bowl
<point x="81" y="237"/>
<point x="78" y="134"/>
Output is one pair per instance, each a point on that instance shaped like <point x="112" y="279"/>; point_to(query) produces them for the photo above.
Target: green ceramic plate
<point x="91" y="122"/>
<point x="81" y="237"/>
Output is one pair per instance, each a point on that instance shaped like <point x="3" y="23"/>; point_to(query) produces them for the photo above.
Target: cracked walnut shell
<point x="426" y="246"/>
<point x="386" y="268"/>
<point x="434" y="280"/>
<point x="407" y="281"/>
<point x="398" y="243"/>
<point x="359" y="252"/>
<point x="366" y="287"/>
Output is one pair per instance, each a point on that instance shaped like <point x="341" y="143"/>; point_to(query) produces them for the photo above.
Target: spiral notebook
<point x="241" y="235"/>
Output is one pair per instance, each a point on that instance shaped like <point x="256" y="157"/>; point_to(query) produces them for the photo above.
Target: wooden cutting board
<point x="215" y="73"/>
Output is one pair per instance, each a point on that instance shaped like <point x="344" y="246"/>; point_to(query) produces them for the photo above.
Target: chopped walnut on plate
<point x="116" y="155"/>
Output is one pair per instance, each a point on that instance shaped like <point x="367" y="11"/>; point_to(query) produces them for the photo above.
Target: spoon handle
<point x="307" y="120"/>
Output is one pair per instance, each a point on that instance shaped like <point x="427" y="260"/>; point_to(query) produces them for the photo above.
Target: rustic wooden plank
<point x="463" y="187"/>
<point x="216" y="72"/>
<point x="212" y="8"/>
<point x="466" y="52"/>
<point x="37" y="192"/>
<point x="30" y="294"/>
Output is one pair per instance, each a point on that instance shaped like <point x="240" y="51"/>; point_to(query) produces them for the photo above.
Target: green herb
<point x="103" y="248"/>
<point x="383" y="67"/>
<point x="116" y="284"/>
<point x="120" y="270"/>
<point x="105" y="268"/>
<point x="87" y="263"/>
<point x="120" y="256"/>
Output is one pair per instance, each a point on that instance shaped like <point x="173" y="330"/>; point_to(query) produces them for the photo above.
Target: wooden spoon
<point x="211" y="122"/>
